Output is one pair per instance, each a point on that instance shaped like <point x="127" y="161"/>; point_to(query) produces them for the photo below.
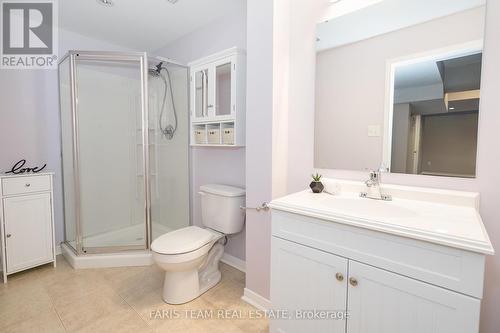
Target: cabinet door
<point x="28" y="231"/>
<point x="225" y="83"/>
<point x="200" y="93"/>
<point x="384" y="302"/>
<point x="304" y="280"/>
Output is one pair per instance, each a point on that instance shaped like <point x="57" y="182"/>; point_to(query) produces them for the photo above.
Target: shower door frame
<point x="142" y="59"/>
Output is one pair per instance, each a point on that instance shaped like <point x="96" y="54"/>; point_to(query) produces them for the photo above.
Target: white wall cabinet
<point x="27" y="226"/>
<point x="218" y="99"/>
<point x="329" y="267"/>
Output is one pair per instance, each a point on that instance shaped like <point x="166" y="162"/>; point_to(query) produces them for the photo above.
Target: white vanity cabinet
<point x="325" y="261"/>
<point x="27" y="224"/>
<point x="217" y="90"/>
<point x="304" y="278"/>
<point x="381" y="301"/>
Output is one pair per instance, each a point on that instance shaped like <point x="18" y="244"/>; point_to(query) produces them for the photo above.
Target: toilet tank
<point x="220" y="208"/>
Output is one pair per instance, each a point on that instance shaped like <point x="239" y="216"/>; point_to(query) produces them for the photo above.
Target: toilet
<point x="190" y="256"/>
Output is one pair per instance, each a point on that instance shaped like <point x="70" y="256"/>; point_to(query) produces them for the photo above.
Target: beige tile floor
<point x="127" y="299"/>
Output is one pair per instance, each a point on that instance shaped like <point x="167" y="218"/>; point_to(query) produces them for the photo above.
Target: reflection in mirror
<point x="435" y="115"/>
<point x="397" y="86"/>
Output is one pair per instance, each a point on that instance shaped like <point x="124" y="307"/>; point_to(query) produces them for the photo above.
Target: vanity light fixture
<point x="107" y="3"/>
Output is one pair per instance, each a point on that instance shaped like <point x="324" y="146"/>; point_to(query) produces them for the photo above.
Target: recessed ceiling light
<point x="107" y="3"/>
<point x="452" y="108"/>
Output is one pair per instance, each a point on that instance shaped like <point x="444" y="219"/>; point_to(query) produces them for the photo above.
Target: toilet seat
<point x="183" y="241"/>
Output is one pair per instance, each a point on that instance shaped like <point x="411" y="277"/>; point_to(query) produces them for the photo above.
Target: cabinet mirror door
<point x="201" y="83"/>
<point x="223" y="81"/>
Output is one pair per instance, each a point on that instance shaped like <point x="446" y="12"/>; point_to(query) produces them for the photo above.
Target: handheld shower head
<point x="159" y="67"/>
<point x="156" y="70"/>
<point x="167" y="130"/>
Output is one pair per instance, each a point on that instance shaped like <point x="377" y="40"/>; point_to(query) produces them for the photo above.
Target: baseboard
<point x="233" y="261"/>
<point x="256" y="300"/>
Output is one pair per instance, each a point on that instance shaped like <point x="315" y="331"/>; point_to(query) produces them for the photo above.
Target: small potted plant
<point x="316" y="185"/>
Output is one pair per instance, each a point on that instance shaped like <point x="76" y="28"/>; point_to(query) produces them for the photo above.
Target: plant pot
<point x="316" y="187"/>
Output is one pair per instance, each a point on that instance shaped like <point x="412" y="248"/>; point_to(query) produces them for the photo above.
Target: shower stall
<point x="125" y="158"/>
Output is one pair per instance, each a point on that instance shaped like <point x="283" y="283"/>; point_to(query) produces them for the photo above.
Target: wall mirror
<point x="398" y="86"/>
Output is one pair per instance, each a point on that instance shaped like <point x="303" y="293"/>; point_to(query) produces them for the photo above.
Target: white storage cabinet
<point x="27" y="222"/>
<point x="217" y="106"/>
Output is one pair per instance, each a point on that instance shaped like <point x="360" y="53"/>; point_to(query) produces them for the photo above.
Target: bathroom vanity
<point x="356" y="265"/>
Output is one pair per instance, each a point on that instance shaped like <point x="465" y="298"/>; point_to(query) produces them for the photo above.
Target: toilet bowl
<point x="190" y="256"/>
<point x="185" y="278"/>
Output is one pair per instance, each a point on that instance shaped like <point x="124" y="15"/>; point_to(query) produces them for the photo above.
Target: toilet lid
<point x="182" y="240"/>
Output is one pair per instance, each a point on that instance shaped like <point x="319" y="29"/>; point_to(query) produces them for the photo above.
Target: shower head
<point x="159" y="67"/>
<point x="156" y="70"/>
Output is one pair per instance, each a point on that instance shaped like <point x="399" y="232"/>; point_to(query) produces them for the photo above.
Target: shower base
<point x="128" y="236"/>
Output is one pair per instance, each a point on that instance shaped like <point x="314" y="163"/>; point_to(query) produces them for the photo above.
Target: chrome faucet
<point x="373" y="184"/>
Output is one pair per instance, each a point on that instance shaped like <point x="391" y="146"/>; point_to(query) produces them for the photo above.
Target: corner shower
<point x="125" y="158"/>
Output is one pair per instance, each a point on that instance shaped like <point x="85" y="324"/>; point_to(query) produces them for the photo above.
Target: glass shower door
<point x="110" y="126"/>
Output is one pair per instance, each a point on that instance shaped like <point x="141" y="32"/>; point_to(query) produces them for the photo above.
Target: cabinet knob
<point x="339" y="277"/>
<point x="353" y="282"/>
<point x="8" y="235"/>
<point x="27" y="185"/>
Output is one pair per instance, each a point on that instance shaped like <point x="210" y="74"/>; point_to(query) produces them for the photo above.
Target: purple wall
<point x="488" y="180"/>
<point x="259" y="138"/>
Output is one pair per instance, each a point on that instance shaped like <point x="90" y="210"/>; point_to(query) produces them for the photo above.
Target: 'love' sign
<point x="19" y="168"/>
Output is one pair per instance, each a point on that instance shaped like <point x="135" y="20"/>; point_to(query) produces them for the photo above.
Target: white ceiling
<point x="462" y="72"/>
<point x="380" y="17"/>
<point x="144" y="25"/>
<point x="417" y="75"/>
